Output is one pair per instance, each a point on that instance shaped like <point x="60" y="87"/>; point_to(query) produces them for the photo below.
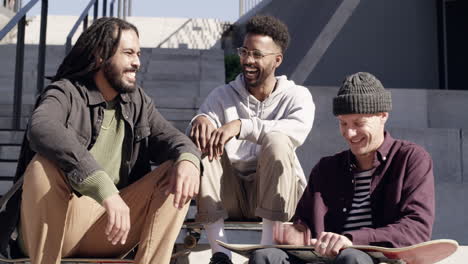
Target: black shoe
<point x="220" y="258"/>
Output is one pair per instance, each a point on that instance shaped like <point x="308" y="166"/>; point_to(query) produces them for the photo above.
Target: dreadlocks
<point x="99" y="41"/>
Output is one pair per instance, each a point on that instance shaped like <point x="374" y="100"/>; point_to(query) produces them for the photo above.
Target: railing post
<point x="119" y="10"/>
<point x="17" y="6"/>
<point x="129" y="13"/>
<point x="68" y="45"/>
<point x="42" y="47"/>
<point x="96" y="6"/>
<point x="112" y="9"/>
<point x="241" y="7"/>
<point x="104" y="8"/>
<point x="124" y="17"/>
<point x="19" y="67"/>
<point x="85" y="23"/>
<point x="82" y="19"/>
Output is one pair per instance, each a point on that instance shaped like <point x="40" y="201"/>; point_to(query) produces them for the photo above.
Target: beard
<point x="115" y="78"/>
<point x="260" y="78"/>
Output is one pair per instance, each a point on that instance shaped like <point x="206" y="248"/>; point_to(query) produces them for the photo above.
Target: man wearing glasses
<point x="248" y="131"/>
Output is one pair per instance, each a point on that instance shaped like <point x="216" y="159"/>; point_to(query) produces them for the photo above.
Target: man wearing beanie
<point x="378" y="192"/>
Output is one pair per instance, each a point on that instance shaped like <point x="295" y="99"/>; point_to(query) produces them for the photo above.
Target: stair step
<point x="181" y="125"/>
<point x="7" y="168"/>
<point x="5" y="185"/>
<point x="6" y="110"/>
<point x="11" y="137"/>
<point x="9" y="152"/>
<point x="173" y="102"/>
<point x="176" y="88"/>
<point x="177" y="114"/>
<point x="6" y="122"/>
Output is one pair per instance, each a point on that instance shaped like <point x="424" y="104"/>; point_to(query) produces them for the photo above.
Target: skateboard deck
<point x="424" y="253"/>
<point x="237" y="225"/>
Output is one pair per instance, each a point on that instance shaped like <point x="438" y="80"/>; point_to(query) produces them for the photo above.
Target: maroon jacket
<point x="402" y="196"/>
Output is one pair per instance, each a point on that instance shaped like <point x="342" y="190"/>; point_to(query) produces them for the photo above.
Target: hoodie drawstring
<point x="261" y="111"/>
<point x="248" y="107"/>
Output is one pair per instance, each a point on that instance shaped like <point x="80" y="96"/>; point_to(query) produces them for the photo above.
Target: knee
<point x="41" y="172"/>
<point x="276" y="143"/>
<point x="266" y="256"/>
<point x="352" y="256"/>
<point x="258" y="257"/>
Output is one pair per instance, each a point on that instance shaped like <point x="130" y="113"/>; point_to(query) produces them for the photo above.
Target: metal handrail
<point x="173" y="33"/>
<point x="124" y="8"/>
<point x="104" y="8"/>
<point x="20" y="20"/>
<point x="16" y="5"/>
<point x="16" y="19"/>
<point x="83" y="18"/>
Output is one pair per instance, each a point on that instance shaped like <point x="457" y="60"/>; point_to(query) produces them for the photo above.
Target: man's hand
<point x="184" y="182"/>
<point x="221" y="136"/>
<point x="201" y="132"/>
<point x="118" y="219"/>
<point x="291" y="234"/>
<point x="329" y="244"/>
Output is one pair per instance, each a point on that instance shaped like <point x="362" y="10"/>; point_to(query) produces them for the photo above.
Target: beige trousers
<point x="55" y="223"/>
<point x="272" y="194"/>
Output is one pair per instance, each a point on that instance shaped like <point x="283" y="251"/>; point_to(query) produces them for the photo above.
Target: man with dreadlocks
<point x="86" y="188"/>
<point x="249" y="130"/>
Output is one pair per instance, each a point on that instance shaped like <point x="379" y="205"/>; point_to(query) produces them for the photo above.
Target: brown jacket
<point x="402" y="196"/>
<point x="64" y="126"/>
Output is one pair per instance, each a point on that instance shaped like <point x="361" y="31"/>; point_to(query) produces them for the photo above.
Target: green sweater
<point x="107" y="151"/>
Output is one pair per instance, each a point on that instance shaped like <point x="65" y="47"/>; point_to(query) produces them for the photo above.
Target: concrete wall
<point x="395" y="39"/>
<point x="412" y="108"/>
<point x="444" y="145"/>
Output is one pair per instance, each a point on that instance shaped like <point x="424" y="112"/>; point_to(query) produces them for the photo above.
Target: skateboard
<point x="193" y="230"/>
<point x="424" y="253"/>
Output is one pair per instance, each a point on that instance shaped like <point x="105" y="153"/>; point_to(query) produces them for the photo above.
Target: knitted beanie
<point x="361" y="93"/>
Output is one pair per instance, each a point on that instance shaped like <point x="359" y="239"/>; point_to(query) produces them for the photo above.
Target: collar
<point x="95" y="96"/>
<point x="124" y="97"/>
<point x="384" y="149"/>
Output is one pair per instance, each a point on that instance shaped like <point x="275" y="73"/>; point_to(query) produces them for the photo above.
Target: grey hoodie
<point x="289" y="109"/>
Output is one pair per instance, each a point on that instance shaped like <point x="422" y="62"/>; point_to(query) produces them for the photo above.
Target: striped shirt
<point x="360" y="214"/>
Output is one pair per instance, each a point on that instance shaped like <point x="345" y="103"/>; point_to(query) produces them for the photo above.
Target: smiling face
<point x="120" y="70"/>
<point x="364" y="133"/>
<point x="257" y="71"/>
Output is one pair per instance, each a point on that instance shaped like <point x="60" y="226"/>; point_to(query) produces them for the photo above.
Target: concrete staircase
<point x="177" y="80"/>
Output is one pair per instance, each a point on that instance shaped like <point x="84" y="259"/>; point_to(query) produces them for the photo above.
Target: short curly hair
<point x="269" y="26"/>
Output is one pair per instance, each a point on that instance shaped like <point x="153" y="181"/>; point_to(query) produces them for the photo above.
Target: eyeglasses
<point x="256" y="54"/>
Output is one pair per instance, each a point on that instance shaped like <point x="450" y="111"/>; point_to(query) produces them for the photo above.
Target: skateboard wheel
<point x="190" y="241"/>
